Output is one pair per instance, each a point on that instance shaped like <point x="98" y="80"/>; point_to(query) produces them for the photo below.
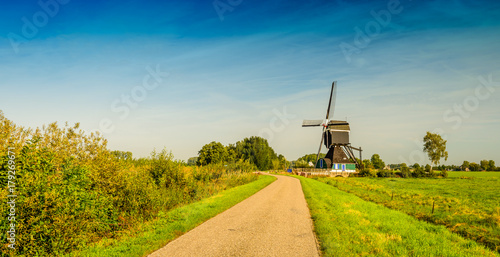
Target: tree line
<point x="253" y="152"/>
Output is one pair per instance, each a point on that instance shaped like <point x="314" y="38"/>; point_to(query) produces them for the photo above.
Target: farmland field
<point x="474" y="174"/>
<point x="468" y="206"/>
<point x="346" y="225"/>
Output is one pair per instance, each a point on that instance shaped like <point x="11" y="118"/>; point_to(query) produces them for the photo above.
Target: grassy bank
<point x="468" y="207"/>
<point x="349" y="226"/>
<point x="174" y="223"/>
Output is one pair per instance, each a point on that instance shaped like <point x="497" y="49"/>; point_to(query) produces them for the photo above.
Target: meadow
<point x="466" y="205"/>
<point x="347" y="225"/>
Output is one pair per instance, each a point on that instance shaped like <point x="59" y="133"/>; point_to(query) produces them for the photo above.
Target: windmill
<point x="335" y="136"/>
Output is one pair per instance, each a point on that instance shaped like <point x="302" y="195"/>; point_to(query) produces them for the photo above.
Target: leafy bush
<point x="73" y="191"/>
<point x="385" y="174"/>
<point x="367" y="173"/>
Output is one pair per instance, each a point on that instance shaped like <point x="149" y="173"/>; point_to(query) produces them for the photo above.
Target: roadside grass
<point x="170" y="225"/>
<point x="466" y="206"/>
<point x="349" y="226"/>
<point x="474" y="174"/>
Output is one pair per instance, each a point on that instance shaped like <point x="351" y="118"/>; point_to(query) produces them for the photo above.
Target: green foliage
<point x="169" y="225"/>
<point x="192" y="161"/>
<point x="213" y="152"/>
<point x="254" y="150"/>
<point x="418" y="171"/>
<point x="474" y="167"/>
<point x="73" y="191"/>
<point x="367" y="164"/>
<point x="465" y="165"/>
<point x="377" y="162"/>
<point x="405" y="171"/>
<point x="311" y="157"/>
<point x="367" y="173"/>
<point x="491" y="165"/>
<point x="435" y="147"/>
<point x="257" y="151"/>
<point x="385" y="174"/>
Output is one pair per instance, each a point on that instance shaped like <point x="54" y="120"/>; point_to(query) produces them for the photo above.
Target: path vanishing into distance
<point x="273" y="222"/>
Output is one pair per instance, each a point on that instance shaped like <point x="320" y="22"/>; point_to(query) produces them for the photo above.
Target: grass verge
<point x="174" y="223"/>
<point x="349" y="226"/>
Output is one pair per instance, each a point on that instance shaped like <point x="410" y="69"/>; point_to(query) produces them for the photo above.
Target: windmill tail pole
<point x="319" y="150"/>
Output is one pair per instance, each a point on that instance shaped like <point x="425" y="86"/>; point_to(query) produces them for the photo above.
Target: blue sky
<point x="258" y="68"/>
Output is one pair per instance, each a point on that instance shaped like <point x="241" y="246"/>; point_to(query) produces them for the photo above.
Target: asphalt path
<point x="273" y="222"/>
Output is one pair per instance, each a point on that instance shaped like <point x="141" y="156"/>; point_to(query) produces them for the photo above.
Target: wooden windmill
<point x="335" y="136"/>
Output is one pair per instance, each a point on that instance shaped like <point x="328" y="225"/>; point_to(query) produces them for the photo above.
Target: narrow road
<point x="273" y="222"/>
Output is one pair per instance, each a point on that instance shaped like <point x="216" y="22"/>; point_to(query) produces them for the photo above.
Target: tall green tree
<point x="435" y="147"/>
<point x="485" y="164"/>
<point x="465" y="165"/>
<point x="367" y="164"/>
<point x="377" y="162"/>
<point x="491" y="165"/>
<point x="474" y="166"/>
<point x="213" y="152"/>
<point x="257" y="151"/>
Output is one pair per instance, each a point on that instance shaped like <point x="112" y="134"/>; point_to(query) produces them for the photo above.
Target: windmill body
<point x="335" y="137"/>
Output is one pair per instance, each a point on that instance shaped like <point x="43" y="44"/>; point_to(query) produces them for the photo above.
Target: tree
<point x="257" y="151"/>
<point x="405" y="171"/>
<point x="192" y="161"/>
<point x="474" y="166"/>
<point x="367" y="164"/>
<point x="491" y="165"/>
<point x="418" y="171"/>
<point x="485" y="164"/>
<point x="465" y="165"/>
<point x="311" y="157"/>
<point x="435" y="147"/>
<point x="377" y="162"/>
<point x="213" y="152"/>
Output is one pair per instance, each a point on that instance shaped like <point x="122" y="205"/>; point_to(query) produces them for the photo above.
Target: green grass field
<point x="174" y="223"/>
<point x="474" y="174"/>
<point x="346" y="225"/>
<point x="467" y="206"/>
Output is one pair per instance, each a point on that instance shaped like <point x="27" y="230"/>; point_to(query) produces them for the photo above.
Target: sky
<point x="177" y="75"/>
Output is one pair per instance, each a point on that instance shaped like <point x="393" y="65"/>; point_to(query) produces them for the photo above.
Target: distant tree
<point x="428" y="168"/>
<point x="485" y="164"/>
<point x="435" y="147"/>
<point x="257" y="151"/>
<point x="465" y="165"/>
<point x="232" y="155"/>
<point x="192" y="161"/>
<point x="377" y="162"/>
<point x="491" y="165"/>
<point x="419" y="171"/>
<point x="121" y="155"/>
<point x="367" y="164"/>
<point x="213" y="152"/>
<point x="405" y="171"/>
<point x="301" y="164"/>
<point x="474" y="167"/>
<point x="312" y="157"/>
